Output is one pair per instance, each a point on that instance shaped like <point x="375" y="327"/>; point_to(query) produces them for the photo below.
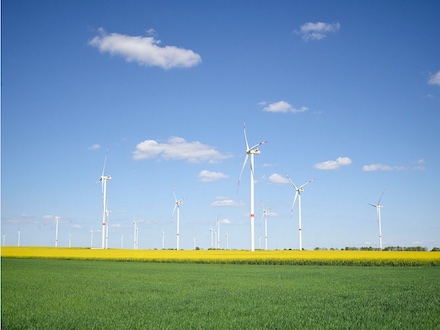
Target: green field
<point x="73" y="294"/>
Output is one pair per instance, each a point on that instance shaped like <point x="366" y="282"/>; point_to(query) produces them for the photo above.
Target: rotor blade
<point x="293" y="204"/>
<point x="305" y="184"/>
<point x="242" y="168"/>
<point x="296" y="188"/>
<point x="245" y="137"/>
<point x="174" y="210"/>
<point x="175" y="198"/>
<point x="105" y="161"/>
<point x="378" y="203"/>
<point x="372" y="204"/>
<point x="257" y="145"/>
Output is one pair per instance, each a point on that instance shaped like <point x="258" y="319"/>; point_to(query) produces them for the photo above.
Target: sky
<point x="346" y="93"/>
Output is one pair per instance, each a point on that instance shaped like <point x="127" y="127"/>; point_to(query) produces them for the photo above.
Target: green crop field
<point x="78" y="294"/>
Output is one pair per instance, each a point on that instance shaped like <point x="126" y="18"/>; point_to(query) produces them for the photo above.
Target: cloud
<point x="419" y="166"/>
<point x="145" y="50"/>
<point x="223" y="201"/>
<point x="278" y="178"/>
<point x="94" y="147"/>
<point x="208" y="176"/>
<point x="318" y="30"/>
<point x="435" y="79"/>
<point x="333" y="164"/>
<point x="283" y="107"/>
<point x="177" y="148"/>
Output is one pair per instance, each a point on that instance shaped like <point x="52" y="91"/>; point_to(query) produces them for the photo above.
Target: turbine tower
<point x="251" y="151"/>
<point x="177" y="204"/>
<point x="107" y="218"/>
<point x="103" y="180"/>
<point x="298" y="190"/>
<point x="378" y="206"/>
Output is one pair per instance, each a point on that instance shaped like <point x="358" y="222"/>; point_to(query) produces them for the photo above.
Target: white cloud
<point x="223" y="201"/>
<point x="419" y="166"/>
<point x="278" y="178"/>
<point x="435" y="79"/>
<point x="94" y="147"/>
<point x="333" y="164"/>
<point x="283" y="107"/>
<point x="318" y="30"/>
<point x="145" y="50"/>
<point x="208" y="176"/>
<point x="177" y="148"/>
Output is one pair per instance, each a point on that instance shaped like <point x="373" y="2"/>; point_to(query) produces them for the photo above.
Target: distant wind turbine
<point x="57" y="219"/>
<point x="177" y="203"/>
<point x="251" y="151"/>
<point x="103" y="180"/>
<point x="378" y="206"/>
<point x="135" y="235"/>
<point x="218" y="232"/>
<point x="298" y="190"/>
<point x="18" y="237"/>
<point x="265" y="213"/>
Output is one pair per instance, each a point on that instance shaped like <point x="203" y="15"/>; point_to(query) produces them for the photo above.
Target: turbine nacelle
<point x="254" y="151"/>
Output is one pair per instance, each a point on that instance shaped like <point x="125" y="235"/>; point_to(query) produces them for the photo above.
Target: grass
<point x="78" y="294"/>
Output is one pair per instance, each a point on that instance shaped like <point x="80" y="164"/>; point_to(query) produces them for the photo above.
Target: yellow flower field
<point x="326" y="257"/>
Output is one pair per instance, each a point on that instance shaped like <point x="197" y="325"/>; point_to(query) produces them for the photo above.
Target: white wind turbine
<point x="177" y="203"/>
<point x="219" y="221"/>
<point x="265" y="213"/>
<point x="57" y="219"/>
<point x="103" y="180"/>
<point x="298" y="190"/>
<point x="135" y="235"/>
<point x="378" y="206"/>
<point x="251" y="151"/>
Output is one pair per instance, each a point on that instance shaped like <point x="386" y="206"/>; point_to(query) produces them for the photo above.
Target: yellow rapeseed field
<point x="278" y="257"/>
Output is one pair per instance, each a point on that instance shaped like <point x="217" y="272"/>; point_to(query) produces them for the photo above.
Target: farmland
<point x="85" y="294"/>
<point x="282" y="257"/>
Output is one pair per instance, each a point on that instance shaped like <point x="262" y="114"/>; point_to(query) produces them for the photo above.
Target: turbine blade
<point x="242" y="168"/>
<point x="372" y="205"/>
<point x="294" y="186"/>
<point x="245" y="137"/>
<point x="378" y="203"/>
<point x="305" y="184"/>
<point x="175" y="198"/>
<point x="257" y="145"/>
<point x="174" y="210"/>
<point x="105" y="161"/>
<point x="294" y="201"/>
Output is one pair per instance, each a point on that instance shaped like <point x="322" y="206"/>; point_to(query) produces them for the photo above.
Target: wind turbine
<point x="136" y="235"/>
<point x="218" y="233"/>
<point x="177" y="204"/>
<point x="251" y="151"/>
<point x="299" y="190"/>
<point x="265" y="213"/>
<point x="378" y="206"/>
<point x="211" y="233"/>
<point x="103" y="180"/>
<point x="18" y="237"/>
<point x="57" y="219"/>
<point x="163" y="239"/>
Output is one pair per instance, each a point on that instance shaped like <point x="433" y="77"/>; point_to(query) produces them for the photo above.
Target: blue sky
<point x="345" y="92"/>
